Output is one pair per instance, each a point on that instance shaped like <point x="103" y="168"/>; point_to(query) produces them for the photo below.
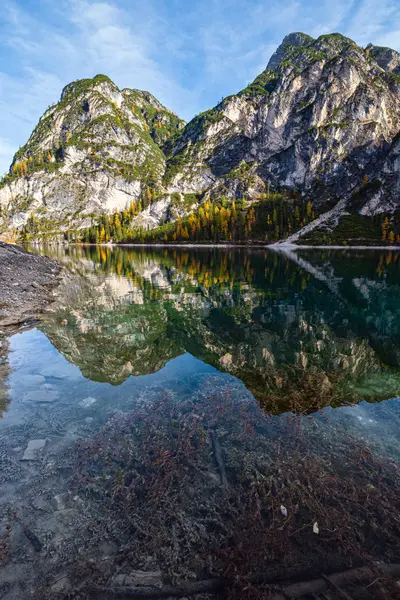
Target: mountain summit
<point x="293" y="40"/>
<point x="320" y="125"/>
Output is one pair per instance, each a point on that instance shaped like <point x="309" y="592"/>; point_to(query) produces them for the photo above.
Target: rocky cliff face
<point x="95" y="151"/>
<point x="322" y="121"/>
<point x="317" y="119"/>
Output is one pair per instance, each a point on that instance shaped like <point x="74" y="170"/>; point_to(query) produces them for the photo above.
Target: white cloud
<point x="376" y="22"/>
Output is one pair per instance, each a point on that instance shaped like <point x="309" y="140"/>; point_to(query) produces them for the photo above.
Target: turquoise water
<point x="262" y="349"/>
<point x="300" y="331"/>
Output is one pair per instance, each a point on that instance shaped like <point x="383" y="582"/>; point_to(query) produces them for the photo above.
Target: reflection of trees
<point x="271" y="320"/>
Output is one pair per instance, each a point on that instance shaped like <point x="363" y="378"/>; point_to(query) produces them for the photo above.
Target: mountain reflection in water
<point x="140" y="429"/>
<point x="301" y="330"/>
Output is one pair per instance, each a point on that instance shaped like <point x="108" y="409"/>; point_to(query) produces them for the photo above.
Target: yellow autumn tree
<point x="20" y="168"/>
<point x="385" y="229"/>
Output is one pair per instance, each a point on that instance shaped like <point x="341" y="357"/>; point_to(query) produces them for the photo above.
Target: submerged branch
<point x="219" y="458"/>
<point x="188" y="589"/>
<point x="359" y="575"/>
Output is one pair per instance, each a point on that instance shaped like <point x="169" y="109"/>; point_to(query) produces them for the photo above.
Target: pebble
<point x="62" y="585"/>
<point x="43" y="395"/>
<point x="32" y="449"/>
<point x="31" y="380"/>
<point x="86" y="402"/>
<point x="59" y="502"/>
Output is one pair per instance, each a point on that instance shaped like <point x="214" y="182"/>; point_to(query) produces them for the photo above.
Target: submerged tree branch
<point x="296" y="590"/>
<point x="219" y="458"/>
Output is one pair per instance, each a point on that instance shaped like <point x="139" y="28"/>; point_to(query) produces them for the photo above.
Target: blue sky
<point x="188" y="53"/>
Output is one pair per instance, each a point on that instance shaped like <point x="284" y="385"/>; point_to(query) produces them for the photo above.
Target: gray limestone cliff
<point x="95" y="151"/>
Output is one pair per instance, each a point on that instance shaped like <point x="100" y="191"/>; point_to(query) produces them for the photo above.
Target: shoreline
<point x="276" y="246"/>
<point x="26" y="284"/>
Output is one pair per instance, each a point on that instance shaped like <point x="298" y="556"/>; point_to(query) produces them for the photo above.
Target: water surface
<point x="257" y="352"/>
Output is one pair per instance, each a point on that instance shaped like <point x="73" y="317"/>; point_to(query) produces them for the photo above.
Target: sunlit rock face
<point x="322" y="116"/>
<point x="94" y="151"/>
<point x="321" y="122"/>
<point x="297" y="341"/>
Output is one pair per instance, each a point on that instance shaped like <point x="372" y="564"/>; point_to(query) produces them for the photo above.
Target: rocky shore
<point x="26" y="281"/>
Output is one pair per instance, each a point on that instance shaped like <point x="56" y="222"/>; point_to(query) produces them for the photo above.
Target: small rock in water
<point x="86" y="402"/>
<point x="61" y="585"/>
<point x="47" y="386"/>
<point x="43" y="395"/>
<point x="89" y="419"/>
<point x="139" y="579"/>
<point x="33" y="538"/>
<point x="31" y="380"/>
<point x="17" y="449"/>
<point x="60" y="371"/>
<point x="78" y="500"/>
<point x="32" y="449"/>
<point x="60" y="501"/>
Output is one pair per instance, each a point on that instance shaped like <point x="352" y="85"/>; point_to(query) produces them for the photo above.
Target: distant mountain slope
<point x="319" y="128"/>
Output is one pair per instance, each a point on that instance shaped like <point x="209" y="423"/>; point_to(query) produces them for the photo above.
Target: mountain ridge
<point x="319" y="125"/>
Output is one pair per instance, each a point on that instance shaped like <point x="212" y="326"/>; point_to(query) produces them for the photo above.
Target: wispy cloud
<point x="95" y="37"/>
<point x="376" y="22"/>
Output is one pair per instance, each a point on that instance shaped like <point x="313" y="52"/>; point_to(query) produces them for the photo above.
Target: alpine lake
<point x="193" y="412"/>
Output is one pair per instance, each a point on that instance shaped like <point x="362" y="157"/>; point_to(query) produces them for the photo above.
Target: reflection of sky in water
<point x="37" y="366"/>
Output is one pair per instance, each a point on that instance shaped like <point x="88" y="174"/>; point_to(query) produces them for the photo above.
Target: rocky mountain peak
<point x="83" y="85"/>
<point x="386" y="58"/>
<point x="295" y="39"/>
